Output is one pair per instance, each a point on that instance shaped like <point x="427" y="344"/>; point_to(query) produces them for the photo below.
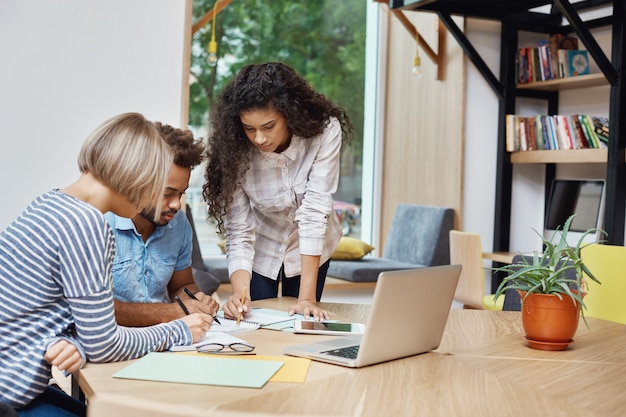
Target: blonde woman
<point x="56" y="302"/>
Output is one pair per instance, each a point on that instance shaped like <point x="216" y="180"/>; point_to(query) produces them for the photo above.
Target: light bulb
<point x="212" y="53"/>
<point x="416" y="71"/>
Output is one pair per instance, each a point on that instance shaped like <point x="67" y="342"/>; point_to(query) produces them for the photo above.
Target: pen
<point x="243" y="300"/>
<point x="190" y="294"/>
<point x="181" y="304"/>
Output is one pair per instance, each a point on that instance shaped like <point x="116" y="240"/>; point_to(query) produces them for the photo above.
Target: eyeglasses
<point x="235" y="348"/>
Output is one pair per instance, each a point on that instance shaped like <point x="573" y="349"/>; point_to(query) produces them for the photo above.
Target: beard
<point x="149" y="214"/>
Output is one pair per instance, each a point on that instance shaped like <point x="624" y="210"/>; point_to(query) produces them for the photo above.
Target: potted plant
<point x="551" y="287"/>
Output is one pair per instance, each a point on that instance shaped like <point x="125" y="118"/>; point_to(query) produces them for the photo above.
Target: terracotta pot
<point x="549" y="322"/>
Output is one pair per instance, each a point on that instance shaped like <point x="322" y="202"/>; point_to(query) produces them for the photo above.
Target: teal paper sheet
<point x="195" y="369"/>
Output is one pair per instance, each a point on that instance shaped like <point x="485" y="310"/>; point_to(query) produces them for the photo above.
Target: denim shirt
<point x="141" y="271"/>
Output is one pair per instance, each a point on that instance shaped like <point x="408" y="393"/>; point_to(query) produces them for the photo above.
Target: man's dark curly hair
<point x="271" y="85"/>
<point x="188" y="152"/>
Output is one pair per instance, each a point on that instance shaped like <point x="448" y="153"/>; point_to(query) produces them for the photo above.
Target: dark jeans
<point x="53" y="402"/>
<point x="262" y="287"/>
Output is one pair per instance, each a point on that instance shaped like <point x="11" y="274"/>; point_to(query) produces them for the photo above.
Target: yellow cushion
<point x="490" y="304"/>
<point x="222" y="245"/>
<point x="351" y="249"/>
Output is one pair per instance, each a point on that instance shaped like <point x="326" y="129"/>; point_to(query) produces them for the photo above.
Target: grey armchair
<point x="419" y="237"/>
<point x="206" y="281"/>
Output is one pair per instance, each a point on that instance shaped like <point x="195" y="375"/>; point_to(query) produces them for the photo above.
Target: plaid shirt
<point x="283" y="207"/>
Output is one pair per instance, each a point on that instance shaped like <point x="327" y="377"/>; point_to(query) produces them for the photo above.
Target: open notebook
<point x="408" y="315"/>
<point x="258" y="317"/>
<point x="230" y="325"/>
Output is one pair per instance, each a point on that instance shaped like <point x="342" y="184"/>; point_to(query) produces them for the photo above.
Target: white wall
<point x="481" y="123"/>
<point x="69" y="65"/>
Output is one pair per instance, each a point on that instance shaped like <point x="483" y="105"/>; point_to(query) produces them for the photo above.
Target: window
<point x="325" y="41"/>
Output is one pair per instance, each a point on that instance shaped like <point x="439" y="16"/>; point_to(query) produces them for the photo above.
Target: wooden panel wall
<point x="423" y="133"/>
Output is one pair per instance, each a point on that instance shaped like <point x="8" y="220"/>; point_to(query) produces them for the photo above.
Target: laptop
<point x="407" y="317"/>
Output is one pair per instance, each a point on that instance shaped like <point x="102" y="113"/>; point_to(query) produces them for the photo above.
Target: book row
<point x="543" y="132"/>
<point x="557" y="57"/>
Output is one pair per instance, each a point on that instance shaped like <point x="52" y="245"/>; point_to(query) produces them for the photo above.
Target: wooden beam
<point x="208" y="16"/>
<point x="441" y="49"/>
<point x="413" y="31"/>
<point x="436" y="57"/>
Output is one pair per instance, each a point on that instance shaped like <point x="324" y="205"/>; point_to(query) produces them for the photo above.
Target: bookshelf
<point x="570" y="156"/>
<point x="581" y="81"/>
<point x="521" y="16"/>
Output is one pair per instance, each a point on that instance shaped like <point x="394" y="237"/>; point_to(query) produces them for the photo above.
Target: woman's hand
<point x="198" y="324"/>
<point x="309" y="309"/>
<point x="64" y="355"/>
<point x="233" y="306"/>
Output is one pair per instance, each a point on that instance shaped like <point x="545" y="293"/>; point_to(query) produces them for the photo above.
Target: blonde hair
<point x="128" y="154"/>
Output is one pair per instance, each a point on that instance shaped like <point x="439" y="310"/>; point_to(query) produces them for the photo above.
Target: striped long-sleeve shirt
<point x="55" y="281"/>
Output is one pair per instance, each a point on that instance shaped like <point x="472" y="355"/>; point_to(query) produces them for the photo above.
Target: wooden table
<point x="483" y="367"/>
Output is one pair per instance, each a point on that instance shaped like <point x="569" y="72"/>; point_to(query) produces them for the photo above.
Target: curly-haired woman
<point x="273" y="166"/>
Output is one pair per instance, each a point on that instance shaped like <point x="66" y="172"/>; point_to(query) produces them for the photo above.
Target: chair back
<point x="196" y="255"/>
<point x="205" y="280"/>
<point x="608" y="264"/>
<point x="466" y="249"/>
<point x="420" y="235"/>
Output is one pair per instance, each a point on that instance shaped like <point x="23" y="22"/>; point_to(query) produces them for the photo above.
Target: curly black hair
<point x="188" y="152"/>
<point x="271" y="85"/>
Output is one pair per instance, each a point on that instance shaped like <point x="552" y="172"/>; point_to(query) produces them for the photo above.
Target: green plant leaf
<point x="546" y="273"/>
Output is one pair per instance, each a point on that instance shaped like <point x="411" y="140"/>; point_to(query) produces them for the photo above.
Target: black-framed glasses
<point x="233" y="348"/>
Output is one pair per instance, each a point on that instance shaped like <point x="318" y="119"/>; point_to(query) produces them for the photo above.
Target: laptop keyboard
<point x="349" y="352"/>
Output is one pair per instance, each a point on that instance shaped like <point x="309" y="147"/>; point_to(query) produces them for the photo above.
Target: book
<point x="563" y="63"/>
<point x="601" y="127"/>
<point x="545" y="132"/>
<point x="521" y="68"/>
<point x="544" y="55"/>
<point x="587" y="125"/>
<point x="568" y="139"/>
<point x="523" y="140"/>
<point x="577" y="62"/>
<point x="510" y="133"/>
<point x="230" y="325"/>
<point x="562" y="142"/>
<point x="536" y="64"/>
<point x="559" y="41"/>
<point x="539" y="130"/>
<point x="531" y="133"/>
<point x="573" y="132"/>
<point x="529" y="64"/>
<point x="554" y="142"/>
<point x="258" y="317"/>
<point x="554" y="59"/>
<point x="580" y="132"/>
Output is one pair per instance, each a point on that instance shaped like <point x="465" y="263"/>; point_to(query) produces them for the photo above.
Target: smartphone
<point x="331" y="327"/>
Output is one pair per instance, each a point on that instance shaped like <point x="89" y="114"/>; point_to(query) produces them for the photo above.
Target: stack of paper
<point x="199" y="369"/>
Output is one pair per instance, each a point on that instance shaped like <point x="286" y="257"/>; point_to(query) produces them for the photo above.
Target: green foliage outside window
<point x="323" y="40"/>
